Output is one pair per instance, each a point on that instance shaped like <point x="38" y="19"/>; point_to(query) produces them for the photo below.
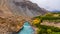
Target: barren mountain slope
<point x="13" y="13"/>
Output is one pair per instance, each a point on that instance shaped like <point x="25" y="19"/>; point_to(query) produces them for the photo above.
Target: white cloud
<point x="48" y="4"/>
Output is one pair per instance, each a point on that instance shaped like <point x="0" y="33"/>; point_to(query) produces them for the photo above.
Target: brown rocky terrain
<point x="13" y="13"/>
<point x="10" y="23"/>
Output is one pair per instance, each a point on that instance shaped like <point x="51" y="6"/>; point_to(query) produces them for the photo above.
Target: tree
<point x="49" y="31"/>
<point x="36" y="21"/>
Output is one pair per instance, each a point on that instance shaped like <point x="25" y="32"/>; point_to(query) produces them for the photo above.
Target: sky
<point x="50" y="5"/>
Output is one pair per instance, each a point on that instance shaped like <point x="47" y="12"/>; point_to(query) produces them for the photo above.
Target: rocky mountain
<point x="25" y="8"/>
<point x="13" y="13"/>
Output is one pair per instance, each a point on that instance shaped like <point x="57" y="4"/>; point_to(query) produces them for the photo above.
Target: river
<point x="27" y="29"/>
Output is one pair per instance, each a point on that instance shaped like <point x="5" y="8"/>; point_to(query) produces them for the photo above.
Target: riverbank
<point x="35" y="30"/>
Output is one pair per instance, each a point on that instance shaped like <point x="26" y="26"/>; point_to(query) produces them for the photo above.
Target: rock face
<point x="25" y="8"/>
<point x="13" y="13"/>
<point x="10" y="23"/>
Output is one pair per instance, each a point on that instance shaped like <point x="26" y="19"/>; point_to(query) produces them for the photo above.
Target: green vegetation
<point x="43" y="29"/>
<point x="51" y="17"/>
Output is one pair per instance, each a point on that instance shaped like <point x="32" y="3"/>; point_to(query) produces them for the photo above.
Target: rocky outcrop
<point x="10" y="23"/>
<point x="13" y="13"/>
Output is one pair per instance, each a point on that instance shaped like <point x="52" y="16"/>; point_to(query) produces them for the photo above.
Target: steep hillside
<point x="25" y="8"/>
<point x="9" y="22"/>
<point x="13" y="13"/>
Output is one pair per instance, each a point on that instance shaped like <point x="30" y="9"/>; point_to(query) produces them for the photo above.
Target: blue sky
<point x="48" y="4"/>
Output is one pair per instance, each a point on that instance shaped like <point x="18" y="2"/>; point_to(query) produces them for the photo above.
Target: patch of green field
<point x="43" y="29"/>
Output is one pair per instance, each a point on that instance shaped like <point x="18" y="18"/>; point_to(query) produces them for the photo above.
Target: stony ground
<point x="10" y="24"/>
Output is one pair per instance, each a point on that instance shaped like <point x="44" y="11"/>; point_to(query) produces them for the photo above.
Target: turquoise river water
<point x="27" y="29"/>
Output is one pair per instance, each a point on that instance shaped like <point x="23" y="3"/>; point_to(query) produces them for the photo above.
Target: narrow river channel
<point x="27" y="29"/>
